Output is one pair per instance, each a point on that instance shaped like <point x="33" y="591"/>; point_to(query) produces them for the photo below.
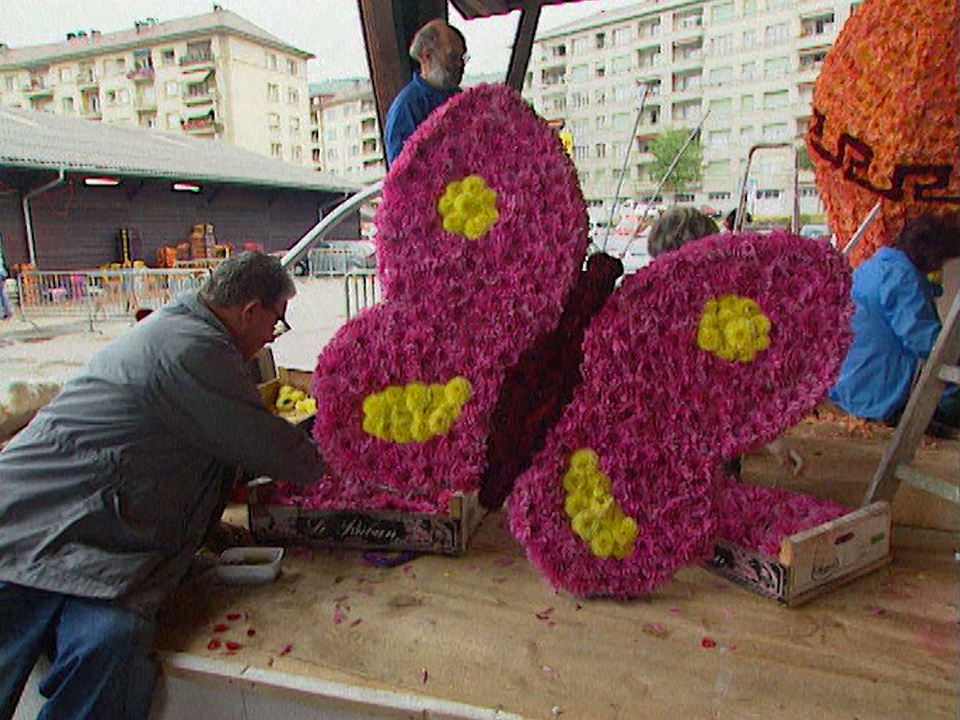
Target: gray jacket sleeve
<point x="206" y="396"/>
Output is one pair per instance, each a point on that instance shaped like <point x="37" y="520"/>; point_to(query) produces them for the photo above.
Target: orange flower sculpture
<point x="885" y="124"/>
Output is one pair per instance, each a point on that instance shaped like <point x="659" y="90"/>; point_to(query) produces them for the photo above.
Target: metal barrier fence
<point x="361" y="290"/>
<point x="102" y="294"/>
<point x="335" y="261"/>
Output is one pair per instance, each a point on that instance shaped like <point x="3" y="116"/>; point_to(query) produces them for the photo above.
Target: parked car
<point x="815" y="231"/>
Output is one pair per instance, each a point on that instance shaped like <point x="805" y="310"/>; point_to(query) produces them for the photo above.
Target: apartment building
<point x="345" y="133"/>
<point x="749" y="66"/>
<point x="215" y="76"/>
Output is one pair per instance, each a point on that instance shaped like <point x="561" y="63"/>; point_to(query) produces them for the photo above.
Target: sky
<point x="330" y="29"/>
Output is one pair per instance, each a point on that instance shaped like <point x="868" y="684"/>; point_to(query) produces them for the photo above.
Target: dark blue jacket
<point x="411" y="106"/>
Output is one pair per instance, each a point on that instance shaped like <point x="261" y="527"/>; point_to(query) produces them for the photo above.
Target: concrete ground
<point x="54" y="347"/>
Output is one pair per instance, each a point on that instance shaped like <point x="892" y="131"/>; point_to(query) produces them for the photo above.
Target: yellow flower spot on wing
<point x="733" y="328"/>
<point x="414" y="412"/>
<point x="595" y="516"/>
<point x="468" y="207"/>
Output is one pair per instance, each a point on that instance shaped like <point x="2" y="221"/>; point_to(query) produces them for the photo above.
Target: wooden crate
<point x="811" y="562"/>
<point x="441" y="533"/>
<point x="285" y="376"/>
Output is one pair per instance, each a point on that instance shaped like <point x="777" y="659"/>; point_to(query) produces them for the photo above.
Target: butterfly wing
<point x="708" y="352"/>
<point x="481" y="232"/>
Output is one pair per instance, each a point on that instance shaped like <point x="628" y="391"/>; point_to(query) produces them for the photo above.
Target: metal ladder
<point x="895" y="466"/>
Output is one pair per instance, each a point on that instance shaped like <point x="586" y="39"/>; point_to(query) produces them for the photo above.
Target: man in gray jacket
<point x="108" y="493"/>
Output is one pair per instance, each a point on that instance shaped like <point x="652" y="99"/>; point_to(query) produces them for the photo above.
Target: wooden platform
<point x="485" y="631"/>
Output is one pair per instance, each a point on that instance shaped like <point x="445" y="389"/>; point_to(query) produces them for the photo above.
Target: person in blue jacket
<point x="441" y="52"/>
<point x="895" y="323"/>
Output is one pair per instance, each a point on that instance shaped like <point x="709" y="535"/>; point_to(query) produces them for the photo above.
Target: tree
<point x="689" y="168"/>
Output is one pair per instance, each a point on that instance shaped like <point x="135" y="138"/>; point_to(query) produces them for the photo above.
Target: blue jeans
<point x="101" y="655"/>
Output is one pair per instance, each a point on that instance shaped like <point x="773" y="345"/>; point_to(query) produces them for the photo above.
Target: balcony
<point x="86" y="80"/>
<point x="200" y="60"/>
<point x="91" y="113"/>
<point x="141" y="75"/>
<point x="38" y="89"/>
<point x="145" y="105"/>
<point x="201" y="126"/>
<point x="203" y="96"/>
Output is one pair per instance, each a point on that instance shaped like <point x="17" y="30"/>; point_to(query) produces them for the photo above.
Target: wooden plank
<point x="919" y="411"/>
<point x="819" y="590"/>
<point x="928" y="482"/>
<point x="523" y="45"/>
<point x="950" y="373"/>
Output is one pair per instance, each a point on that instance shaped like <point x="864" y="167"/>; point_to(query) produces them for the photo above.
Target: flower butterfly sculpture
<point x="468" y="374"/>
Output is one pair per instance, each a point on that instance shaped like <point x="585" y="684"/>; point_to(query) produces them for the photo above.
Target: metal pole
<point x="742" y="202"/>
<point x="28" y="220"/>
<point x="623" y="170"/>
<point x="329" y="221"/>
<point x="864" y="226"/>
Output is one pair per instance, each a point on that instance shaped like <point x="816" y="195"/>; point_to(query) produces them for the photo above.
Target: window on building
<point x="315" y="155"/>
<point x="778" y="33"/>
<point x="749" y="7"/>
<point x="748" y="70"/>
<point x="276" y="149"/>
<point x="111" y="97"/>
<point x="273" y="92"/>
<point x="296" y="153"/>
<point x="768" y="194"/>
<point x="578" y="46"/>
<point x="721" y="75"/>
<point x="648" y="28"/>
<point x="11" y="82"/>
<point x="579" y="100"/>
<point x="623" y="93"/>
<point x="66" y="105"/>
<point x="721" y="12"/>
<point x="684" y="197"/>
<point x="622" y="37"/>
<point x="354" y="150"/>
<point x="600" y="97"/>
<point x="620" y="64"/>
<point x="66" y="74"/>
<point x="622" y="121"/>
<point x="273" y="62"/>
<point x="119" y="66"/>
<point x="348" y="131"/>
<point x="776" y="67"/>
<point x="715" y="196"/>
<point x="294" y="124"/>
<point x="173" y="121"/>
<point x="746" y="135"/>
<point x="686" y="110"/>
<point x="718" y="168"/>
<point x="600" y="122"/>
<point x="123" y="96"/>
<point x="600" y="41"/>
<point x="807" y="191"/>
<point x="273" y="121"/>
<point x="718" y="138"/>
<point x="600" y="70"/>
<point x="746" y="103"/>
<point x="722" y="44"/>
<point x="600" y="150"/>
<point x="776" y="132"/>
<point x="293" y="96"/>
<point x="748" y="39"/>
<point x="292" y="66"/>
<point x="648" y="57"/>
<point x="581" y="152"/>
<point x="776" y="99"/>
<point x="168" y="57"/>
<point x="579" y="73"/>
<point x="721" y="107"/>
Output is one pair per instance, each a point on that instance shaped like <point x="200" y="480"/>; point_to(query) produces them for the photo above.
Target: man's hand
<point x="223" y="536"/>
<point x="788" y="458"/>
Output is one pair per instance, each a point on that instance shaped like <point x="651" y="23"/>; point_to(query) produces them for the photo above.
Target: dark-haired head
<point x="929" y="241"/>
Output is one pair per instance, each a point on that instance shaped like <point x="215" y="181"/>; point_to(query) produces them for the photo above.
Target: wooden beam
<point x="388" y="27"/>
<point x="523" y="45"/>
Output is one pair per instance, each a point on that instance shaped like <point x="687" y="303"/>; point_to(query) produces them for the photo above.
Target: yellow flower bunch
<point x="290" y="398"/>
<point x="468" y="207"/>
<point x="414" y="412"/>
<point x="595" y="516"/>
<point x="733" y="328"/>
